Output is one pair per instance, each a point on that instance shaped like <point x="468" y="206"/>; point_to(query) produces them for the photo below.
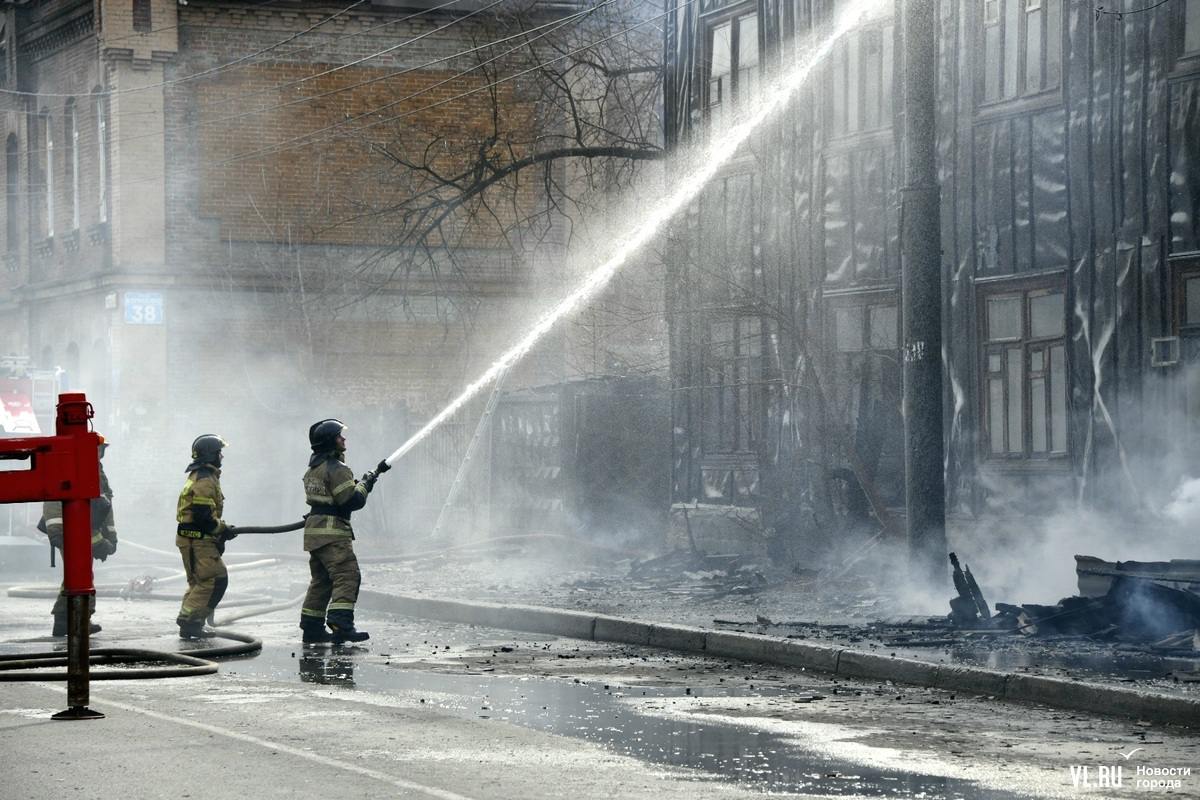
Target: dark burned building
<point x="1068" y="149"/>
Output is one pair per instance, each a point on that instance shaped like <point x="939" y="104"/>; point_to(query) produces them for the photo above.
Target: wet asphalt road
<point x="457" y="711"/>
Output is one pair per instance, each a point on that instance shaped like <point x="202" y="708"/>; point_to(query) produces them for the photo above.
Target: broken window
<point x="1021" y="42"/>
<point x="733" y="394"/>
<point x="862" y="87"/>
<point x="732" y="64"/>
<point x="1024" y="374"/>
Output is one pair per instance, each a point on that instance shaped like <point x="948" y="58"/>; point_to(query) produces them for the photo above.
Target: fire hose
<point x="191" y="662"/>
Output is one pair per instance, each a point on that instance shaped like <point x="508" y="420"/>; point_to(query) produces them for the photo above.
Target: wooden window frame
<point x="1029" y="345"/>
<point x="709" y="23"/>
<point x="1183" y="269"/>
<point x="1047" y="91"/>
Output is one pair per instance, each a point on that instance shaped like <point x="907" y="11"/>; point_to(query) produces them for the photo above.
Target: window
<point x="1187" y="293"/>
<point x="1191" y="27"/>
<point x="733" y="395"/>
<point x="732" y="64"/>
<point x="866" y="327"/>
<point x="1025" y="374"/>
<point x="141" y="16"/>
<point x="1022" y="48"/>
<point x="48" y="171"/>
<point x="862" y="86"/>
<point x="71" y="142"/>
<point x="12" y="168"/>
<point x="102" y="153"/>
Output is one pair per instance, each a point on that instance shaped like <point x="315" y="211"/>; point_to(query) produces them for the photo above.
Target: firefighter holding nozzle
<point x="104" y="541"/>
<point x="333" y="495"/>
<point x="201" y="536"/>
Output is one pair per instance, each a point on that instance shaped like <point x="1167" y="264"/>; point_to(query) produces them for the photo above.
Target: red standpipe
<point x="65" y="467"/>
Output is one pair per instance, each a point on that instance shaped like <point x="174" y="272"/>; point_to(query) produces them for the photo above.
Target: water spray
<point x="714" y="156"/>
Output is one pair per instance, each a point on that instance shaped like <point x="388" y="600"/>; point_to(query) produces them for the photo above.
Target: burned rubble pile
<point x="1154" y="606"/>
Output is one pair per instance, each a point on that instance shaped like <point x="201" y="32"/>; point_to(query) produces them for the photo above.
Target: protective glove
<point x="112" y="546"/>
<point x="368" y="480"/>
<point x="56" y="539"/>
<point x="382" y="467"/>
<point x="103" y="549"/>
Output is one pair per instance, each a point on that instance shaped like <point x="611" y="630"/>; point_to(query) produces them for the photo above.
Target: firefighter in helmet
<point x="333" y="494"/>
<point x="104" y="540"/>
<point x="201" y="536"/>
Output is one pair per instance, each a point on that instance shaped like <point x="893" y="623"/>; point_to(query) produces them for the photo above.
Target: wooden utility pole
<point x="921" y="290"/>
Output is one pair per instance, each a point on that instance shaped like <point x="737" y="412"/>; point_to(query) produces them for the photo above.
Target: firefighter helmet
<point x="206" y="451"/>
<point x="323" y="435"/>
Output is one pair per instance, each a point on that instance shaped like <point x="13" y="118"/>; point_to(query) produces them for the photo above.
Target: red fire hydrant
<point x="65" y="467"/>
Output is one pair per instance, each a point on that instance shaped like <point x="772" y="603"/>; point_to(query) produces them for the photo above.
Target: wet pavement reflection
<point x="632" y="720"/>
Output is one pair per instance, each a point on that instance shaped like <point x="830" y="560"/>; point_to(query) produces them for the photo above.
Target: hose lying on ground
<point x="194" y="662"/>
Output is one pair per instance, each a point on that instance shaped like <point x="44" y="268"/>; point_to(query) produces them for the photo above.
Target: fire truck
<point x="27" y="397"/>
<point x="27" y="407"/>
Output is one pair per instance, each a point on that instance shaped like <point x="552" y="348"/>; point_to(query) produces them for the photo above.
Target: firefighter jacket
<point x="201" y="504"/>
<point x="333" y="493"/>
<point x="103" y="526"/>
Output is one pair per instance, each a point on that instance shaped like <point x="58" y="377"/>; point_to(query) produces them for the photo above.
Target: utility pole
<point x="921" y="291"/>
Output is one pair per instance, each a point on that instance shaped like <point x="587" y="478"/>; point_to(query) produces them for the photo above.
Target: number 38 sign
<point x="144" y="308"/>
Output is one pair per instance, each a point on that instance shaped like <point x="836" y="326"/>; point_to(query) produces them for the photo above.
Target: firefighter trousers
<point x="335" y="579"/>
<point x="206" y="578"/>
<point x="60" y="605"/>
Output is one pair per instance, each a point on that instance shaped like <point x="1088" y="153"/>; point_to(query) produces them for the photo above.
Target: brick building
<point x="197" y="225"/>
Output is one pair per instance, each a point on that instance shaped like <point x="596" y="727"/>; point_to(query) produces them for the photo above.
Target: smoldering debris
<point x="1141" y="604"/>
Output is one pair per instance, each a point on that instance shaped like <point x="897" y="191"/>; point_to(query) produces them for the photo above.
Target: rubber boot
<point x="341" y="622"/>
<point x="192" y="630"/>
<point x="60" y="627"/>
<point x="314" y="630"/>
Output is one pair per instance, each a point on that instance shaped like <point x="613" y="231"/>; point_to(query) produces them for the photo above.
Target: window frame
<point x="1024" y="288"/>
<point x="749" y="435"/>
<point x="709" y="23"/>
<point x="12" y="191"/>
<point x="47" y="139"/>
<point x="843" y="73"/>
<point x="1186" y="61"/>
<point x="71" y="158"/>
<point x="1047" y="94"/>
<point x="1183" y="270"/>
<point x="100" y="107"/>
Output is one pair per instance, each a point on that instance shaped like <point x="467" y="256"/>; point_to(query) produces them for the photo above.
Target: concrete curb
<point x="1057" y="692"/>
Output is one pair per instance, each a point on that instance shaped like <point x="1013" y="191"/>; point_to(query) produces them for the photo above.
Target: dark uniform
<point x="104" y="543"/>
<point x="333" y="494"/>
<point x="201" y="535"/>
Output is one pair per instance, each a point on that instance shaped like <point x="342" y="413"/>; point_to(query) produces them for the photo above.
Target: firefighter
<point x="201" y="536"/>
<point x="104" y="541"/>
<point x="333" y="494"/>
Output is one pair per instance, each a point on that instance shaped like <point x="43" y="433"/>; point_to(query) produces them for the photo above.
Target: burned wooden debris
<point x="1142" y="603"/>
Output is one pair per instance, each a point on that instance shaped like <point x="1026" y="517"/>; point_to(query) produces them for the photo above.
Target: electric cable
<point x="240" y="60"/>
<point x="304" y="140"/>
<point x="350" y="87"/>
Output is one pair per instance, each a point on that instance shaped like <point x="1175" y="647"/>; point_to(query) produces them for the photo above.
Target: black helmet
<point x="323" y="435"/>
<point x="206" y="451"/>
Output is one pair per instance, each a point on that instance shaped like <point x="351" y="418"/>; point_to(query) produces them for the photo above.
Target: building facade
<point x="1068" y="141"/>
<point x="201" y="224"/>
